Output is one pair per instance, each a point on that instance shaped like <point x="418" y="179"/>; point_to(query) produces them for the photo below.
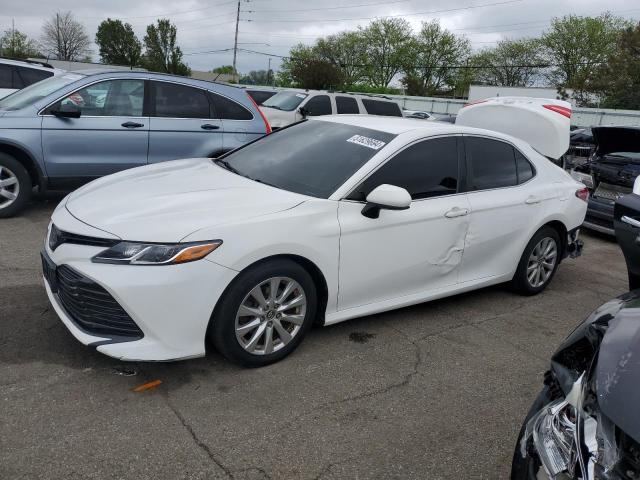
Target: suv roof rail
<point x="26" y="60"/>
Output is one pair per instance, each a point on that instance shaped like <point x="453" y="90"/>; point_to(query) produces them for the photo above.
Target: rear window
<point x="6" y="74"/>
<point x="228" y="109"/>
<point x="260" y="96"/>
<point x="491" y="163"/>
<point x="31" y="75"/>
<point x="378" y="107"/>
<point x="296" y="159"/>
<point x="346" y="105"/>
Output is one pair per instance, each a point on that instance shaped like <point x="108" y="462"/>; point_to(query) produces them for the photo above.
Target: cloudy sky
<point x="273" y="26"/>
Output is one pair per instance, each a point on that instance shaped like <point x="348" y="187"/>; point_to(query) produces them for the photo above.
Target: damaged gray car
<point x="585" y="424"/>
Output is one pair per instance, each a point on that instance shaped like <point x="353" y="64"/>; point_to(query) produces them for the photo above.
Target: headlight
<point x="133" y="253"/>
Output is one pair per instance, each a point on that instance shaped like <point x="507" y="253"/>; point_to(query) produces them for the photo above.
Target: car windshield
<point x="312" y="157"/>
<point x="37" y="91"/>
<point x="286" y="101"/>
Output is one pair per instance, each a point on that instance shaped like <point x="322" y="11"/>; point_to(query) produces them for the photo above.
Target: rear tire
<point x="252" y="325"/>
<point x="15" y="186"/>
<point x="538" y="263"/>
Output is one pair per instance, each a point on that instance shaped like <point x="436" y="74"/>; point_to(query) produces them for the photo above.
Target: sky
<point x="273" y="26"/>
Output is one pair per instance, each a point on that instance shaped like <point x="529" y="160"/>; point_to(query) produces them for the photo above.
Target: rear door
<point x="239" y="124"/>
<point x="505" y="201"/>
<point x="627" y="225"/>
<point x="112" y="133"/>
<point x="182" y="124"/>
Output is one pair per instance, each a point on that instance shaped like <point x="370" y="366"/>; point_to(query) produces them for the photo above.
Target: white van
<point x="290" y="106"/>
<point x="17" y="74"/>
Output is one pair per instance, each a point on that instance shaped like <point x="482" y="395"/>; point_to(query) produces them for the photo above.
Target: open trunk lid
<point x="616" y="139"/>
<point x="541" y="122"/>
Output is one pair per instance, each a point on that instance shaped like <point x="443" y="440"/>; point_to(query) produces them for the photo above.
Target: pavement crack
<point x="203" y="446"/>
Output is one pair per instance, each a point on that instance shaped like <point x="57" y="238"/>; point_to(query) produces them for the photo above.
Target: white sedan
<point x="327" y="220"/>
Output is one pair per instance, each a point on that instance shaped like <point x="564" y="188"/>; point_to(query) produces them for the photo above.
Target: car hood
<point x="168" y="201"/>
<point x="611" y="337"/>
<point x="616" y="139"/>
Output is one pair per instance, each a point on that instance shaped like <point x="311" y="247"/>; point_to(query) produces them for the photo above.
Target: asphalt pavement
<point x="437" y="390"/>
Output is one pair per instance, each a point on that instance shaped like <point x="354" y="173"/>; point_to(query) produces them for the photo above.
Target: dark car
<point x="585" y="424"/>
<point x="609" y="173"/>
<point x="581" y="147"/>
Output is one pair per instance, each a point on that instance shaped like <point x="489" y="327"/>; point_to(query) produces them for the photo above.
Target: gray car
<point x="70" y="129"/>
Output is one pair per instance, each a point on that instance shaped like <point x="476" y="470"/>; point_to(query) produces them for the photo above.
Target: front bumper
<point x="171" y="305"/>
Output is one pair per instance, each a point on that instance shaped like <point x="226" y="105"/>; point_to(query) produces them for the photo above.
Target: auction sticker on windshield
<point x="366" y="142"/>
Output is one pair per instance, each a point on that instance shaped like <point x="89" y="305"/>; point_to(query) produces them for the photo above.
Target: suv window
<point x="260" y="96"/>
<point x="426" y="169"/>
<point x="111" y="98"/>
<point x="180" y="101"/>
<point x="524" y="167"/>
<point x="32" y="75"/>
<point x="491" y="163"/>
<point x="318" y="105"/>
<point x="377" y="107"/>
<point x="228" y="109"/>
<point x="346" y="105"/>
<point x="6" y="73"/>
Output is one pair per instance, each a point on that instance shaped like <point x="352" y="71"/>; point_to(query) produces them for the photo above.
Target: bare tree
<point x="65" y="38"/>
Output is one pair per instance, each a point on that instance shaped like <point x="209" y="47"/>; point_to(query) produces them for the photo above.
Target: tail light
<point x="264" y="119"/>
<point x="558" y="109"/>
<point x="583" y="194"/>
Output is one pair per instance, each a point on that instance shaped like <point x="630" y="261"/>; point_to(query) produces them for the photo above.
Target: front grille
<point x="57" y="237"/>
<point x="91" y="307"/>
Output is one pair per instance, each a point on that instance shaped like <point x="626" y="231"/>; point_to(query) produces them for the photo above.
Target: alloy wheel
<point x="9" y="187"/>
<point x="270" y="315"/>
<point x="542" y="262"/>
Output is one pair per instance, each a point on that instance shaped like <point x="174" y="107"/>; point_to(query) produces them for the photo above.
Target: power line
<point x="332" y="8"/>
<point x="470" y="7"/>
<point x="167" y="14"/>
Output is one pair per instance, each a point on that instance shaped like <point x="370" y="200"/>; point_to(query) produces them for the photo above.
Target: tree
<point x="511" y="63"/>
<point x="224" y="69"/>
<point x="303" y="68"/>
<point x="578" y="45"/>
<point x="65" y="38"/>
<point x="16" y="44"/>
<point x="257" y="77"/>
<point x="618" y="80"/>
<point x="387" y="45"/>
<point x="431" y="54"/>
<point x="347" y="51"/>
<point x="161" y="52"/>
<point x="118" y="44"/>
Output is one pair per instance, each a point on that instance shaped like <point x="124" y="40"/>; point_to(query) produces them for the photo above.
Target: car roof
<point x="393" y="125"/>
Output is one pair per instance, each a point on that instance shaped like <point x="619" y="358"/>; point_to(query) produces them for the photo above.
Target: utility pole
<point x="235" y="44"/>
<point x="269" y="72"/>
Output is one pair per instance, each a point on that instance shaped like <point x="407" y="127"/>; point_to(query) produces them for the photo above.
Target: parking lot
<point x="438" y="390"/>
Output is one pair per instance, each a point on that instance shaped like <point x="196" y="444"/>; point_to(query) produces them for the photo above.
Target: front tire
<point x="538" y="263"/>
<point x="265" y="313"/>
<point x="15" y="186"/>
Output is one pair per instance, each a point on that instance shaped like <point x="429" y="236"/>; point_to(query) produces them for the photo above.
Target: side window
<point x="524" y="167"/>
<point x="378" y="107"/>
<point x="260" y="96"/>
<point x="179" y="101"/>
<point x="491" y="164"/>
<point x="111" y="98"/>
<point x="31" y="75"/>
<point x="318" y="105"/>
<point x="228" y="109"/>
<point x="347" y="105"/>
<point x="426" y="169"/>
<point x="6" y="73"/>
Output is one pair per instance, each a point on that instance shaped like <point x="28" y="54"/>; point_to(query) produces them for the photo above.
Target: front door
<point x="112" y="133"/>
<point x="410" y="251"/>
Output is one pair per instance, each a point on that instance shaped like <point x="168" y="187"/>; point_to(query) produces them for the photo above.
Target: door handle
<point x="532" y="200"/>
<point x="132" y="125"/>
<point x="456" y="212"/>
<point x="208" y="126"/>
<point x="630" y="221"/>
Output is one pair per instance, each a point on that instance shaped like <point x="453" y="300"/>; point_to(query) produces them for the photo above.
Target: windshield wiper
<point x="227" y="166"/>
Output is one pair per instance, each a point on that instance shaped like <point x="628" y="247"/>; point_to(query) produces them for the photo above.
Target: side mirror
<point x="66" y="112"/>
<point x="636" y="186"/>
<point x="386" y="197"/>
<point x="304" y="112"/>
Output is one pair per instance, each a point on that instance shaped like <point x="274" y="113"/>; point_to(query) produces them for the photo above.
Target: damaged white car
<point x="326" y="220"/>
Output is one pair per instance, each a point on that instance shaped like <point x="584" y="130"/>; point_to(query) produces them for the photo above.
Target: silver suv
<point x="69" y="129"/>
